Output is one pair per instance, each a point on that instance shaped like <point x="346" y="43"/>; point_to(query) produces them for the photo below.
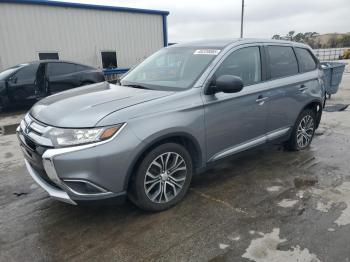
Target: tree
<point x="299" y="37"/>
<point x="344" y="41"/>
<point x="290" y="35"/>
<point x="277" y="37"/>
<point x="309" y="38"/>
<point x="332" y="41"/>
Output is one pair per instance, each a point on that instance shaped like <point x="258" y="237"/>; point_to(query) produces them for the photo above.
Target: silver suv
<point x="183" y="108"/>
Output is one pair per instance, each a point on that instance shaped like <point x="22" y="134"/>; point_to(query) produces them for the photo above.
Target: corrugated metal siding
<point x="76" y="34"/>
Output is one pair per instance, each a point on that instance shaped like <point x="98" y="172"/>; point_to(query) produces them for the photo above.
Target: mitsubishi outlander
<point x="182" y="109"/>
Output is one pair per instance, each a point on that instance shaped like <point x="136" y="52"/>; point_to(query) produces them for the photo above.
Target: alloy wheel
<point x="305" y="131"/>
<point x="165" y="177"/>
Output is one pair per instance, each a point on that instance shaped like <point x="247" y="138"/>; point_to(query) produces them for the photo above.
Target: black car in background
<point x="26" y="83"/>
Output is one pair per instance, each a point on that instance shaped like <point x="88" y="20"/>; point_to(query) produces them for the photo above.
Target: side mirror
<point x="13" y="79"/>
<point x="226" y="84"/>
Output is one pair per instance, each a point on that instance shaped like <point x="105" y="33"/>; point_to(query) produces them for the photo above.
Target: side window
<point x="79" y="68"/>
<point x="306" y="61"/>
<point x="57" y="69"/>
<point x="244" y="63"/>
<point x="27" y="73"/>
<point x="282" y="61"/>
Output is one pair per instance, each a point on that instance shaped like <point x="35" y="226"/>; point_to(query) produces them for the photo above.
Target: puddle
<point x="286" y="203"/>
<point x="335" y="108"/>
<point x="8" y="129"/>
<point x="265" y="249"/>
<point x="335" y="197"/>
<point x="274" y="188"/>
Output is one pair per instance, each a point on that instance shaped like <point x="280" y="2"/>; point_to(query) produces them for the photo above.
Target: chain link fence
<point x="330" y="54"/>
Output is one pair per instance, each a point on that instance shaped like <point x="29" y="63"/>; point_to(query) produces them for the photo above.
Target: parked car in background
<point x="29" y="82"/>
<point x="181" y="110"/>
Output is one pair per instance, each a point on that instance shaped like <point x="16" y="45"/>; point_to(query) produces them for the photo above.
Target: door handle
<point x="302" y="88"/>
<point x="261" y="99"/>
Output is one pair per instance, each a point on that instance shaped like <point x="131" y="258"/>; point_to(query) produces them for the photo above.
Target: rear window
<point x="306" y="61"/>
<point x="282" y="61"/>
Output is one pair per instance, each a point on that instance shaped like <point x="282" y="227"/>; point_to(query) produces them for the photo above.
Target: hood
<point x="85" y="106"/>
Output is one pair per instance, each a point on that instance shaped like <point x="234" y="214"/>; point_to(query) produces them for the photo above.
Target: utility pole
<point x="242" y="15"/>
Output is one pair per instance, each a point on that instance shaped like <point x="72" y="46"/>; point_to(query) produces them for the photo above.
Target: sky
<point x="206" y="19"/>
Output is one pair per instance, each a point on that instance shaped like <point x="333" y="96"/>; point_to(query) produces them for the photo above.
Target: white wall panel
<point x="76" y="34"/>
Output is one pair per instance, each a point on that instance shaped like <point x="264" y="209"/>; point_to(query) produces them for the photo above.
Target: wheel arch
<point x="188" y="141"/>
<point x="316" y="106"/>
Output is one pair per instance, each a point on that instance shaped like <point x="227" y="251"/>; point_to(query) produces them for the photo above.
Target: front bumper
<point x="81" y="173"/>
<point x="53" y="191"/>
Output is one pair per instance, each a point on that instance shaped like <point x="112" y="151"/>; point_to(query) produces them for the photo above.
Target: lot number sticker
<point x="206" y="52"/>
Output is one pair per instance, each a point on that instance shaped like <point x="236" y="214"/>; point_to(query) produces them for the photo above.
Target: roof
<point x="221" y="43"/>
<point x="87" y="6"/>
<point x="54" y="61"/>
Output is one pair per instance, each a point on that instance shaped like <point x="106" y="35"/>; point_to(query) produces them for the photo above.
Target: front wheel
<point x="303" y="131"/>
<point x="163" y="178"/>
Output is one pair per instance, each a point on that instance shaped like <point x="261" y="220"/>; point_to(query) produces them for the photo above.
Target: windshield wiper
<point x="137" y="86"/>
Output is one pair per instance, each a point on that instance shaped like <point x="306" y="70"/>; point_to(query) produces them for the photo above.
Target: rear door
<point x="287" y="89"/>
<point x="290" y="85"/>
<point x="235" y="122"/>
<point x="61" y="76"/>
<point x="308" y="71"/>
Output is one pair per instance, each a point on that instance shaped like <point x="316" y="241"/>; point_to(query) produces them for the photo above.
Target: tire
<point x="149" y="183"/>
<point x="307" y="119"/>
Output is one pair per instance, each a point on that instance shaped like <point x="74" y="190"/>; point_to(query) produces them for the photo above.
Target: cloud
<point x="200" y="19"/>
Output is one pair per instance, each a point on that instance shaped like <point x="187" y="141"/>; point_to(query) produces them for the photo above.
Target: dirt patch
<point x="305" y="181"/>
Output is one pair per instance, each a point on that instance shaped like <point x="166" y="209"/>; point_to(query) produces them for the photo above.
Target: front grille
<point x="34" y="145"/>
<point x="30" y="143"/>
<point x="34" y="131"/>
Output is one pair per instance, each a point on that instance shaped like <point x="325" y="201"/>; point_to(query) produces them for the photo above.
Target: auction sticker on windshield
<point x="206" y="52"/>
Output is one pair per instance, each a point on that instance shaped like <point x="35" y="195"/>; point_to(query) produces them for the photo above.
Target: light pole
<point x="242" y="15"/>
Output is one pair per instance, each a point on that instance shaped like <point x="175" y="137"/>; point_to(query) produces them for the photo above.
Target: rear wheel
<point x="163" y="178"/>
<point x="303" y="131"/>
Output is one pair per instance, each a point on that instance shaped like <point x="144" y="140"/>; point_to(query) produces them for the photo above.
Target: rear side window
<point x="306" y="61"/>
<point x="56" y="69"/>
<point x="282" y="61"/>
<point x="79" y="68"/>
<point x="244" y="63"/>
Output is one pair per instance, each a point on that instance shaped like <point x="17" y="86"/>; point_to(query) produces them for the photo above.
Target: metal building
<point x="100" y="36"/>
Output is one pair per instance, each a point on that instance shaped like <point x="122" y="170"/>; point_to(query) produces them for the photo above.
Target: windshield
<point x="6" y="73"/>
<point x="174" y="68"/>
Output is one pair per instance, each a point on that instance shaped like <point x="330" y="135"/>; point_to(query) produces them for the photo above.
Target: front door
<point x="235" y="122"/>
<point x="22" y="85"/>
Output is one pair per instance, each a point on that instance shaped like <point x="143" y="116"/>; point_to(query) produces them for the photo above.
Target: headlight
<point x="71" y="137"/>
